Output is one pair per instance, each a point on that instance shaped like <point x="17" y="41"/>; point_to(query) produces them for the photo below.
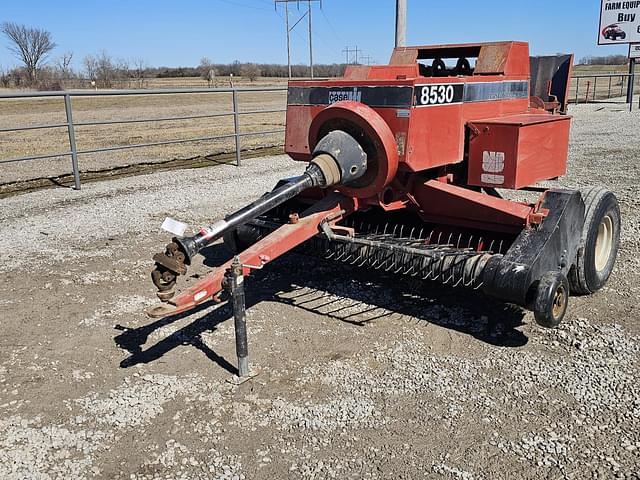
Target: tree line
<point x="604" y="60"/>
<point x="33" y="48"/>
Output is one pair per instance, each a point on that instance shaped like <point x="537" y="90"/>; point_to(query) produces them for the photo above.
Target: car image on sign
<point x="614" y="32"/>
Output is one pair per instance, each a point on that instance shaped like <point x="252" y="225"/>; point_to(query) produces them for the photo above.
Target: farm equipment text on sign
<point x="619" y="22"/>
<point x="634" y="50"/>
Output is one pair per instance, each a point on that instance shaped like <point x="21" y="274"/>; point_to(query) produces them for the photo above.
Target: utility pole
<point x="310" y="39"/>
<point x="348" y="51"/>
<point x="286" y="18"/>
<point x="290" y="29"/>
<point x="401" y="23"/>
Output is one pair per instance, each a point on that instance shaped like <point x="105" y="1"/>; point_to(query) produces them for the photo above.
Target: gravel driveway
<point x="362" y="376"/>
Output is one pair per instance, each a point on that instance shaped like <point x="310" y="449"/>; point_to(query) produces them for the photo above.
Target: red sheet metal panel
<point x="518" y="151"/>
<point x="446" y="204"/>
<point x="428" y="116"/>
<point x="493" y="58"/>
<point x="378" y="141"/>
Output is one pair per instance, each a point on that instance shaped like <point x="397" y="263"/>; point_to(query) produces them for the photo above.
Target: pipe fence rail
<point x="584" y="88"/>
<point x="601" y="86"/>
<point x="70" y="125"/>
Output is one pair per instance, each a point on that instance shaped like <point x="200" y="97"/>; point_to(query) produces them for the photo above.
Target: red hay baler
<point x="405" y="166"/>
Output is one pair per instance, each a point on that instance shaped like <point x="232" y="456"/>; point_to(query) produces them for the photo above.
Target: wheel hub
<point x="559" y="302"/>
<point x="604" y="243"/>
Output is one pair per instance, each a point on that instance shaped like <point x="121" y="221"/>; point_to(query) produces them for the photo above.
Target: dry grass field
<point x="219" y="82"/>
<point x="26" y="112"/>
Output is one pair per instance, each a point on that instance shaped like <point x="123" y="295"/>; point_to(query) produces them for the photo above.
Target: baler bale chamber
<point x="407" y="167"/>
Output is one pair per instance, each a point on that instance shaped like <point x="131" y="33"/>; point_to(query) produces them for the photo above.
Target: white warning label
<point x="492" y="179"/>
<point x="493" y="162"/>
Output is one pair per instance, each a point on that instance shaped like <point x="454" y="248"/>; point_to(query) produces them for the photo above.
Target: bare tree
<point x="207" y="70"/>
<point x="251" y="71"/>
<point x="63" y="65"/>
<point x="29" y="45"/>
<point x="122" y="71"/>
<point x="104" y="70"/>
<point x="139" y="70"/>
<point x="90" y="67"/>
<point x="5" y="78"/>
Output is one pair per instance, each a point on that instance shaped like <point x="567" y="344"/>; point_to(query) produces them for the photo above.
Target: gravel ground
<point x="361" y="376"/>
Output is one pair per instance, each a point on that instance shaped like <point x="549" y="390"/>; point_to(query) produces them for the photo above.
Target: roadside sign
<point x="634" y="50"/>
<point x="619" y="22"/>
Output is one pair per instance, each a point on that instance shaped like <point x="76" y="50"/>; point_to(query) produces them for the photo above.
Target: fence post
<point x="586" y="97"/>
<point x="595" y="88"/>
<point x="577" y="88"/>
<point x="632" y="83"/>
<point x="609" y="93"/>
<point x="236" y="126"/>
<point x="72" y="141"/>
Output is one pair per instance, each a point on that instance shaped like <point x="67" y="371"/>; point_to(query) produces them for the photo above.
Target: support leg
<point x="234" y="282"/>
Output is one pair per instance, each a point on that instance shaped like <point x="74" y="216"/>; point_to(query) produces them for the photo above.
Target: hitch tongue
<point x="338" y="160"/>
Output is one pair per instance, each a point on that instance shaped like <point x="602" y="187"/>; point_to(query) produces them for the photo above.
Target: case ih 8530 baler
<point x="405" y="164"/>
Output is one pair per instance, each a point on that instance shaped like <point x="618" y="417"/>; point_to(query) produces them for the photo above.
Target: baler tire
<point x="552" y="299"/>
<point x="602" y="216"/>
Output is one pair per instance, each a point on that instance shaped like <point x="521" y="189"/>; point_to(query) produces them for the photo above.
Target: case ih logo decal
<point x="354" y="95"/>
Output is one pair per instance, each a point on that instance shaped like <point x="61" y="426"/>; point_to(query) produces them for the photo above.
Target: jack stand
<point x="234" y="284"/>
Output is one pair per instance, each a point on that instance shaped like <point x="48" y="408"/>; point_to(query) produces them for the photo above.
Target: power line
<point x="367" y="60"/>
<point x="348" y="51"/>
<point x="324" y="15"/>
<point x="289" y="29"/>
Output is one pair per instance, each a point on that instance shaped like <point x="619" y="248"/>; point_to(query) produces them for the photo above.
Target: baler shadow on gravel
<point x="405" y="166"/>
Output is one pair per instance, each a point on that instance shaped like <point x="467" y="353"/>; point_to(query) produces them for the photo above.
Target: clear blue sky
<point x="180" y="32"/>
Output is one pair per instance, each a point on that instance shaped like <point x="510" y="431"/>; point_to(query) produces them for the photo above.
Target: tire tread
<point x="577" y="276"/>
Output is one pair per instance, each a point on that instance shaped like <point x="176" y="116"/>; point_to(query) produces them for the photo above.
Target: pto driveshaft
<point x="338" y="159"/>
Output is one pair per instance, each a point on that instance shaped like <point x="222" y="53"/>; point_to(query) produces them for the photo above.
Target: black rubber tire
<point x="623" y="36"/>
<point x="552" y="299"/>
<point x="584" y="278"/>
<point x="463" y="67"/>
<point x="438" y="67"/>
